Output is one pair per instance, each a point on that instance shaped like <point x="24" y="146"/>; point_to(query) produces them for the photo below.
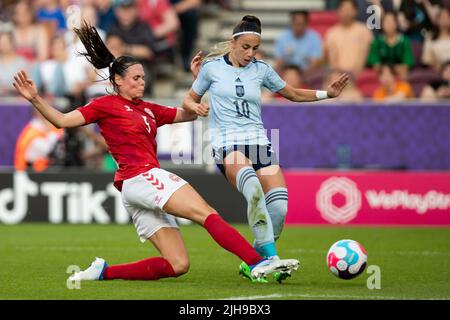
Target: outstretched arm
<point x="304" y="95"/>
<point x="26" y="87"/>
<point x="184" y="115"/>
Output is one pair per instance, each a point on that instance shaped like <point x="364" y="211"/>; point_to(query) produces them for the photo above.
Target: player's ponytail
<point x="248" y="24"/>
<point x="99" y="55"/>
<point x="96" y="51"/>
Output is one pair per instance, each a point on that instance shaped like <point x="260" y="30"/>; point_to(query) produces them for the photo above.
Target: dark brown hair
<point x="99" y="55"/>
<point x="248" y="23"/>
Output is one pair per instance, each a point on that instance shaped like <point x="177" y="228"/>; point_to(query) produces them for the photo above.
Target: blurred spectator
<point x="392" y="88"/>
<point x="49" y="76"/>
<point x="6" y="10"/>
<point x="32" y="39"/>
<point x="436" y="50"/>
<point x="115" y="45"/>
<point x="188" y="14"/>
<point x="351" y="93"/>
<point x="49" y="11"/>
<point x="105" y="13"/>
<point x="347" y="44"/>
<point x="416" y="17"/>
<point x="137" y="36"/>
<point x="162" y="19"/>
<point x="61" y="76"/>
<point x="36" y="143"/>
<point x="10" y="63"/>
<point x="440" y="89"/>
<point x="293" y="76"/>
<point x="391" y="48"/>
<point x="298" y="45"/>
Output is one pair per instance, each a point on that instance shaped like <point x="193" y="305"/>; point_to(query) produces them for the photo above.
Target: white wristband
<point x="321" y="94"/>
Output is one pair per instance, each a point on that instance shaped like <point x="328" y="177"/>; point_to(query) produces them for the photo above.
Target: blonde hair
<point x="220" y="49"/>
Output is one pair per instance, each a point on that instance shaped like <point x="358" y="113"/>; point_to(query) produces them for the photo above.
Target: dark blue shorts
<point x="260" y="155"/>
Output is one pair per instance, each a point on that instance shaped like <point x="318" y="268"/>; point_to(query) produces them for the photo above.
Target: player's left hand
<point x="196" y="64"/>
<point x="336" y="87"/>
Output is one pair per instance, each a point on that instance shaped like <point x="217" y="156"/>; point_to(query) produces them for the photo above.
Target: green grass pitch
<point x="414" y="264"/>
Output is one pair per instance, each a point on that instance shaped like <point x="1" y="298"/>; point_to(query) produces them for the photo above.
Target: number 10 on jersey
<point x="242" y="108"/>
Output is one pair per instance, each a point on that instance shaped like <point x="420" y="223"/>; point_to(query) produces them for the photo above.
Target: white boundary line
<point x="325" y="296"/>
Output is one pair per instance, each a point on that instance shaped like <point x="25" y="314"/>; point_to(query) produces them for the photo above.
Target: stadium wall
<point x="315" y="197"/>
<point x="410" y="136"/>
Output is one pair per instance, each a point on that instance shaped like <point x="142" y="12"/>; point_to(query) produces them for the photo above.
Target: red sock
<point x="230" y="239"/>
<point x="147" y="269"/>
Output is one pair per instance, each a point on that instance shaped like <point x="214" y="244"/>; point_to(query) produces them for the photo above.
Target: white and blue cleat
<point x="94" y="272"/>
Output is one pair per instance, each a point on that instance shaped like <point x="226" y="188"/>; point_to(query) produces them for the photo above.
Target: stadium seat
<point x="367" y="82"/>
<point x="323" y="17"/>
<point x="420" y="77"/>
<point x="321" y="21"/>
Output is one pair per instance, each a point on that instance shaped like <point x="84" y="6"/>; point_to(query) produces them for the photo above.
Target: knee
<point x="180" y="266"/>
<point x="200" y="213"/>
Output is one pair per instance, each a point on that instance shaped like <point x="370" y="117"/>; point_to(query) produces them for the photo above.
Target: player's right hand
<point x="202" y="109"/>
<point x="25" y="86"/>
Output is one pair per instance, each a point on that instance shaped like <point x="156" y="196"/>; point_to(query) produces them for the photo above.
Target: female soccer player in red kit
<point x="149" y="193"/>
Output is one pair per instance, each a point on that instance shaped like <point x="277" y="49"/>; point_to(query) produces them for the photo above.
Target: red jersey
<point x="129" y="129"/>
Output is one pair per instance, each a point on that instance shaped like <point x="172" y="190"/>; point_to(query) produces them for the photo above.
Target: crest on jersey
<point x="240" y="91"/>
<point x="174" y="177"/>
<point x="128" y="108"/>
<point x="150" y="113"/>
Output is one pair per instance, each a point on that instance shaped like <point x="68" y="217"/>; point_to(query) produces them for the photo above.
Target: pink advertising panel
<point x="364" y="197"/>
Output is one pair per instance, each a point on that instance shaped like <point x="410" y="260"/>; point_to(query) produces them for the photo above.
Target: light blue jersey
<point x="235" y="100"/>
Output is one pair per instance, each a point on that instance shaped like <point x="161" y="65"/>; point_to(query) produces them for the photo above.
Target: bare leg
<point x="187" y="203"/>
<point x="271" y="181"/>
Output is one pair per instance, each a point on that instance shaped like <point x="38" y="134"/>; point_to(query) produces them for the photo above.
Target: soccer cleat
<point x="274" y="264"/>
<point x="94" y="272"/>
<point x="281" y="275"/>
<point x="245" y="272"/>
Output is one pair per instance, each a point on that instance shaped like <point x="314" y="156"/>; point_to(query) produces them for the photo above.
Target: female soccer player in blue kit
<point x="241" y="149"/>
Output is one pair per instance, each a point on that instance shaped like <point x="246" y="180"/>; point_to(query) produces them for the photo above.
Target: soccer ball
<point x="346" y="259"/>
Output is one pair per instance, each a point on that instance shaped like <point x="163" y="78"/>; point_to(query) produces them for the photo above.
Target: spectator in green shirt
<point x="391" y="48"/>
